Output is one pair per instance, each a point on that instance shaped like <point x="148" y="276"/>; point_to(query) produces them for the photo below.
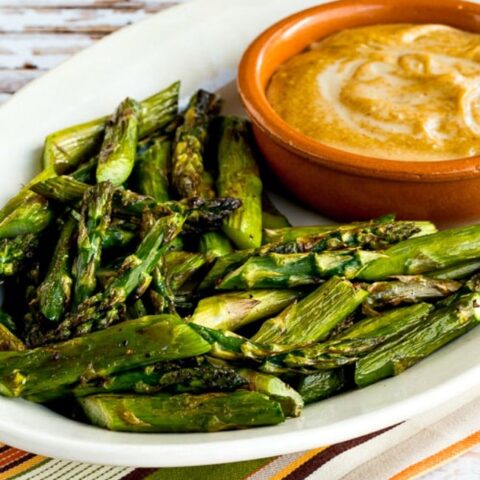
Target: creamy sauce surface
<point x="397" y="91"/>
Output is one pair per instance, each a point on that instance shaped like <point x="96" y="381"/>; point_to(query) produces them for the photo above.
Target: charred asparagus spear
<point x="66" y="148"/>
<point x="440" y="327"/>
<point x="360" y="339"/>
<point x="380" y="227"/>
<point x="230" y="311"/>
<point x="238" y="176"/>
<point x="203" y="215"/>
<point x="8" y="341"/>
<point x="320" y="385"/>
<point x="189" y="176"/>
<point x="215" y="244"/>
<point x="119" y="147"/>
<point x="181" y="266"/>
<point x="426" y="254"/>
<point x="46" y="372"/>
<point x="408" y="289"/>
<point x="209" y="412"/>
<point x="189" y="375"/>
<point x="54" y="293"/>
<point x="311" y="319"/>
<point x="152" y="168"/>
<point x="290" y="400"/>
<point x="92" y="228"/>
<point x="104" y="308"/>
<point x="276" y="270"/>
<point x="15" y="253"/>
<point x="456" y="272"/>
<point x="370" y="237"/>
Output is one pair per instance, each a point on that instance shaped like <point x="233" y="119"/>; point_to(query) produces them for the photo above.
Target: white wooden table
<point x="37" y="35"/>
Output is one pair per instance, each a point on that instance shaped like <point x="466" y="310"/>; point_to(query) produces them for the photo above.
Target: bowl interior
<point x="295" y="33"/>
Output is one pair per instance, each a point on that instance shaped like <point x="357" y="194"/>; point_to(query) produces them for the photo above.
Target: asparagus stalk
<point x="47" y="372"/>
<point x="55" y="291"/>
<point x="289" y="399"/>
<point x="322" y="384"/>
<point x="203" y="215"/>
<point x="408" y="289"/>
<point x="456" y="272"/>
<point x="209" y="412"/>
<point x="117" y="155"/>
<point x="426" y="254"/>
<point x="231" y="311"/>
<point x="118" y="236"/>
<point x="215" y="244"/>
<point x="369" y="236"/>
<point x="188" y="173"/>
<point x="92" y="228"/>
<point x="439" y="328"/>
<point x="31" y="216"/>
<point x="103" y="309"/>
<point x="180" y="266"/>
<point x="152" y="168"/>
<point x="291" y="270"/>
<point x="311" y="319"/>
<point x="190" y="375"/>
<point x="15" y="253"/>
<point x="360" y="339"/>
<point x="239" y="177"/>
<point x="380" y="227"/>
<point x="66" y="148"/>
<point x="8" y="341"/>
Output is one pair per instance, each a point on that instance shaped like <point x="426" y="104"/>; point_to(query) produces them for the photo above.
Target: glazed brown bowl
<point x="339" y="184"/>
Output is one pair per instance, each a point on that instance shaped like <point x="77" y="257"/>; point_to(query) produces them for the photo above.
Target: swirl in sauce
<point x="398" y="91"/>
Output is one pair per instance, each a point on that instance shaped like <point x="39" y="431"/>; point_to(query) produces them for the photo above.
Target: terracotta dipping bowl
<point x="343" y="185"/>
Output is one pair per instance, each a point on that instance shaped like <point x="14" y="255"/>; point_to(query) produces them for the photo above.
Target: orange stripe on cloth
<point x="10" y="456"/>
<point x="296" y="463"/>
<point x="24" y="467"/>
<point x="439" y="458"/>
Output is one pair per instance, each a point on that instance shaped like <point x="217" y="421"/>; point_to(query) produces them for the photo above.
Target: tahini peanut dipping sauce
<point x="397" y="91"/>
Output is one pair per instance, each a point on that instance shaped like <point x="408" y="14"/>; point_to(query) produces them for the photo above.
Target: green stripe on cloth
<point x="230" y="471"/>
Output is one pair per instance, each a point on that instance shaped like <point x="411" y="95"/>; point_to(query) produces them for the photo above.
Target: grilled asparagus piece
<point x="15" y="253"/>
<point x="209" y="412"/>
<point x="189" y="176"/>
<point x="92" y="228"/>
<point x="369" y="236"/>
<point x="426" y="254"/>
<point x="215" y="244"/>
<point x="230" y="311"/>
<point x="119" y="147"/>
<point x="382" y="228"/>
<point x="320" y="385"/>
<point x="457" y="272"/>
<point x="104" y="308"/>
<point x="238" y="176"/>
<point x="360" y="339"/>
<point x="8" y="341"/>
<point x="311" y="319"/>
<point x="66" y="148"/>
<point x="54" y="293"/>
<point x="290" y="400"/>
<point x="408" y="289"/>
<point x="276" y="270"/>
<point x="152" y="168"/>
<point x="439" y="328"/>
<point x="47" y="372"/>
<point x="189" y="375"/>
<point x="180" y="266"/>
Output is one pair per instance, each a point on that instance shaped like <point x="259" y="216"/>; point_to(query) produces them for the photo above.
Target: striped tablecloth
<point x="402" y="452"/>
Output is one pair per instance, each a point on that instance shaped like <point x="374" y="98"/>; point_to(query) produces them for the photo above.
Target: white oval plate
<point x="200" y="43"/>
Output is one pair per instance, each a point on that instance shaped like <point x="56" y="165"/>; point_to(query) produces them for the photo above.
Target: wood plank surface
<point x="37" y="35"/>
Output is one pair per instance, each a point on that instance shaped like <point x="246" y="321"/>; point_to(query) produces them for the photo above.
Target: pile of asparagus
<point x="150" y="285"/>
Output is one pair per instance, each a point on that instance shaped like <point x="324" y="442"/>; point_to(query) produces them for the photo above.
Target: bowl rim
<point x="264" y="117"/>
